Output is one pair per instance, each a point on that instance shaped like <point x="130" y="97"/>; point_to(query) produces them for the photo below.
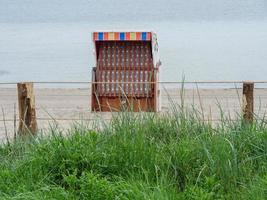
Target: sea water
<point x="204" y="47"/>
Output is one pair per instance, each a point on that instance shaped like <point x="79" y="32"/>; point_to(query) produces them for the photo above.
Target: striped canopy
<point x="122" y="36"/>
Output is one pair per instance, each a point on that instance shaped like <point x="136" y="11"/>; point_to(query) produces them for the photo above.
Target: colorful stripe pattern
<point x="122" y="36"/>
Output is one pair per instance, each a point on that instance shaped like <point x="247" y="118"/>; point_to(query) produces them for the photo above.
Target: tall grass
<point x="140" y="156"/>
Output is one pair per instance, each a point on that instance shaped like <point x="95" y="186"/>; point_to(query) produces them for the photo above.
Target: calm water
<point x="50" y="42"/>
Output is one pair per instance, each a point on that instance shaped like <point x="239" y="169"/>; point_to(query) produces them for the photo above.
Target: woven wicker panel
<point x="124" y="62"/>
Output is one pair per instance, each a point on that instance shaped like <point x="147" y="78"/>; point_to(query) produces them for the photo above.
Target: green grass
<point x="143" y="156"/>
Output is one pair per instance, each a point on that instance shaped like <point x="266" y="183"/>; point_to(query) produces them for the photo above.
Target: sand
<point x="69" y="105"/>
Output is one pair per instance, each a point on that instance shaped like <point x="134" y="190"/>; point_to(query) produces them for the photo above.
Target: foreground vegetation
<point x="142" y="156"/>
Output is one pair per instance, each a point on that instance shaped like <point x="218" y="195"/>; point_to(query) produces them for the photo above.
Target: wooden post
<point x="248" y="105"/>
<point x="27" y="113"/>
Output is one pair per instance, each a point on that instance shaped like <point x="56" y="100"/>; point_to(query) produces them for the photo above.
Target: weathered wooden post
<point x="248" y="99"/>
<point x="27" y="113"/>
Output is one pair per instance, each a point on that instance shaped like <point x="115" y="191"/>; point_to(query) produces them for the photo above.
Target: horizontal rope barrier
<point x="60" y="119"/>
<point x="131" y="82"/>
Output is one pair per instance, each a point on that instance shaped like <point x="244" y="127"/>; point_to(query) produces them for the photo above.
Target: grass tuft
<point x="140" y="156"/>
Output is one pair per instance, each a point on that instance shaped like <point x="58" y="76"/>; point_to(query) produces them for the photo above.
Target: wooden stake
<point x="27" y="113"/>
<point x="248" y="105"/>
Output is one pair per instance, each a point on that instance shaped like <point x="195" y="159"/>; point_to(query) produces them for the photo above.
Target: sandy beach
<point x="69" y="105"/>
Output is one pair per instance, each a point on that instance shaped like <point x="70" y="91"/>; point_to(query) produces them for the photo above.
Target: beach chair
<point x="126" y="72"/>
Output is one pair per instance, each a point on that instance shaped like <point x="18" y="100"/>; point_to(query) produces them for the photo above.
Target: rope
<point x="60" y="119"/>
<point x="145" y="82"/>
